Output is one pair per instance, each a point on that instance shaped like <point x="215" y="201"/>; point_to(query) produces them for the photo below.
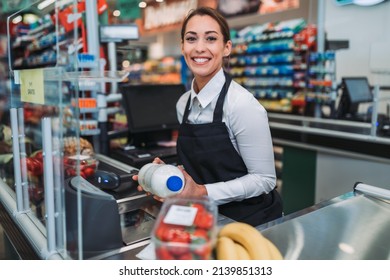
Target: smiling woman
<point x="224" y="141"/>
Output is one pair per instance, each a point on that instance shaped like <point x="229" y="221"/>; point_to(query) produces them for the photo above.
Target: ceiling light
<point x="116" y="13"/>
<point x="45" y="4"/>
<point x="367" y="2"/>
<point x="125" y="63"/>
<point x="17" y="19"/>
<point x="142" y="4"/>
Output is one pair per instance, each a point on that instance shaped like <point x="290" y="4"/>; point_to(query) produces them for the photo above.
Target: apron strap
<point x="187" y="110"/>
<point x="218" y="111"/>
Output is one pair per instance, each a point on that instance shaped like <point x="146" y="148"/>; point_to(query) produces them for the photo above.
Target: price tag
<point x="31" y="86"/>
<point x="181" y="215"/>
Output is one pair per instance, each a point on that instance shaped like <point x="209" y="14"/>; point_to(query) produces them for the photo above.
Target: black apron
<point x="208" y="155"/>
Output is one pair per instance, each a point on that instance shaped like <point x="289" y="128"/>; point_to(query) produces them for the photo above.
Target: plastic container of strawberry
<point x="185" y="229"/>
<point x="88" y="165"/>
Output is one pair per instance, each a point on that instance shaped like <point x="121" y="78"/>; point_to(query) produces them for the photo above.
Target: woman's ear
<point x="228" y="49"/>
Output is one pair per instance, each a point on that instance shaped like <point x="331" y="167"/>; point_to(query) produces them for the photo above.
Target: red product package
<point x="67" y="17"/>
<point x="185" y="229"/>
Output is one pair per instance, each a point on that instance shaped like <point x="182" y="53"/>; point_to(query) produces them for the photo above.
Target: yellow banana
<point x="250" y="238"/>
<point x="274" y="251"/>
<point x="226" y="249"/>
<point x="242" y="253"/>
<point x="257" y="246"/>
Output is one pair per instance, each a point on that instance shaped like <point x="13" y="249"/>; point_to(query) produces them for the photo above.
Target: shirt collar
<point x="210" y="90"/>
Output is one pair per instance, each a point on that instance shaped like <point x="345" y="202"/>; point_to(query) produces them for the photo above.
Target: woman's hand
<point x="139" y="187"/>
<point x="191" y="188"/>
<point x="158" y="160"/>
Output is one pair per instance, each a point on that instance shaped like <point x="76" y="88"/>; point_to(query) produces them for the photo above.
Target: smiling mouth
<point x="200" y="60"/>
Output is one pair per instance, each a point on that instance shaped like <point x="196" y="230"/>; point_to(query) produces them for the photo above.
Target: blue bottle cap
<point x="174" y="183"/>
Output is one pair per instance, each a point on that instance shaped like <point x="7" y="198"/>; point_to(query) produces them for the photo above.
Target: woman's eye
<point x="190" y="39"/>
<point x="211" y="39"/>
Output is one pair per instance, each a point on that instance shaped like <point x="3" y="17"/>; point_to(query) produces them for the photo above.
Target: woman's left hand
<point x="139" y="187"/>
<point x="191" y="188"/>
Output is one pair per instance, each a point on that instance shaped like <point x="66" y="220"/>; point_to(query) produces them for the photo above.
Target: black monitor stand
<point x="355" y="91"/>
<point x="346" y="109"/>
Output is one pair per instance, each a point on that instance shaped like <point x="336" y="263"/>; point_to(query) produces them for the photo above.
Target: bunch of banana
<point x="241" y="241"/>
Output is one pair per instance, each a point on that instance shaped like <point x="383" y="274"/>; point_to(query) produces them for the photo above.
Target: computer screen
<point x="358" y="89"/>
<point x="355" y="90"/>
<point x="151" y="107"/>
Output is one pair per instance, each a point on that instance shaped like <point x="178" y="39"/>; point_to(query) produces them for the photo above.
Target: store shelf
<point x="321" y="84"/>
<point x="164" y="71"/>
<point x="90" y="76"/>
<point x="271" y="61"/>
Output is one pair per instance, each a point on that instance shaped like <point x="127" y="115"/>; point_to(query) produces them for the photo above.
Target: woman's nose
<point x="200" y="46"/>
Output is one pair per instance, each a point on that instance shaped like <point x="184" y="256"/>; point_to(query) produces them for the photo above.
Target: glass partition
<point x="53" y="116"/>
<point x="40" y="112"/>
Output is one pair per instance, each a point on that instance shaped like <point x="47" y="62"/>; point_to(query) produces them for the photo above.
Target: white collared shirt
<point x="247" y="123"/>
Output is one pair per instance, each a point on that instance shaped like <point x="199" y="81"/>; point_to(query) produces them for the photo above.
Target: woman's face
<point x="203" y="48"/>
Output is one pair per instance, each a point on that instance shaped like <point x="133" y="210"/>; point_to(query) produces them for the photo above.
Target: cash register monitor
<point x="355" y="90"/>
<point x="151" y="111"/>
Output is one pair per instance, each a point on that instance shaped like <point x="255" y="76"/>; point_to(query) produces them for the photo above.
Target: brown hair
<point x="207" y="11"/>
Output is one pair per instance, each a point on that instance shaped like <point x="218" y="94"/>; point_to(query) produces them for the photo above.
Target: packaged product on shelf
<point x="79" y="156"/>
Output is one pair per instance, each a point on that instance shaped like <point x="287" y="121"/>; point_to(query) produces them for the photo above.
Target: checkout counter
<point x="116" y="225"/>
<point x="354" y="225"/>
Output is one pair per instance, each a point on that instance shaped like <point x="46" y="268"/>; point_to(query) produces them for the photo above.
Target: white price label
<point x="181" y="215"/>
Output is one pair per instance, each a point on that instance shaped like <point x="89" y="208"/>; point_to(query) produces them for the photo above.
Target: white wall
<point x="362" y="27"/>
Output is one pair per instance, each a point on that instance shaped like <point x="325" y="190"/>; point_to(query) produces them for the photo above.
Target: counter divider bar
<point x="330" y="151"/>
<point x="318" y="120"/>
<point x="328" y="132"/>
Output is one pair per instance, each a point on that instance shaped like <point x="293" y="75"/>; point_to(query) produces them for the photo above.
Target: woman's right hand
<point x="158" y="160"/>
<point x="139" y="187"/>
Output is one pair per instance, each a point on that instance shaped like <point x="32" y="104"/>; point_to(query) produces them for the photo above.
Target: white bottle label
<point x="180" y="215"/>
<point x="162" y="180"/>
